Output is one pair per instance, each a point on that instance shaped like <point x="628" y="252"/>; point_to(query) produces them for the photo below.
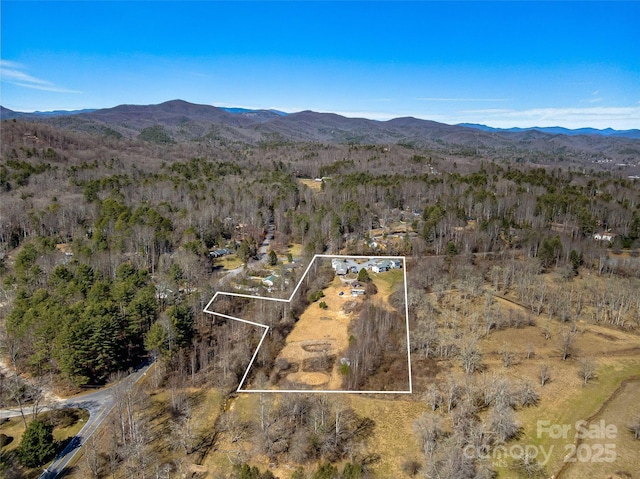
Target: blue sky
<point x="571" y="64"/>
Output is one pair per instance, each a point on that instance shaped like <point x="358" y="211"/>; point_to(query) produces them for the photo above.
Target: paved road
<point x="98" y="403"/>
<point x="264" y="247"/>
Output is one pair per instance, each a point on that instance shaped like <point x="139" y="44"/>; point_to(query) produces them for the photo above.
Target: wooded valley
<point x="523" y="272"/>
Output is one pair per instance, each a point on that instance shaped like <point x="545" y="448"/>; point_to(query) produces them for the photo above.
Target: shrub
<point x="363" y="276"/>
<point x="37" y="445"/>
<point x="313" y="297"/>
<point x="4" y="440"/>
<point x="411" y="467"/>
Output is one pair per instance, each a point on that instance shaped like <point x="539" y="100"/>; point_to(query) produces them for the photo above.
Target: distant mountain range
<point x="7" y="114"/>
<point x="266" y="115"/>
<point x="260" y="115"/>
<point x="177" y="120"/>
<point x="558" y="130"/>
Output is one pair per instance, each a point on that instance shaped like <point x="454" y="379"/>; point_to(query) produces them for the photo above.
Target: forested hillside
<point x="112" y="244"/>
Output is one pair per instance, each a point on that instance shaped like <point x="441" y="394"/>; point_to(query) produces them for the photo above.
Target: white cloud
<point x="11" y="72"/>
<point x="594" y="98"/>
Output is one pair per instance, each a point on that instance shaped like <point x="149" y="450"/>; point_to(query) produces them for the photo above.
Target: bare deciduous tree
<point x="451" y="394"/>
<point x="529" y="467"/>
<point x="567" y="338"/>
<point x="471" y="357"/>
<point x="92" y="458"/>
<point x="544" y="374"/>
<point x="508" y="357"/>
<point x="16" y="391"/>
<point x="433" y="397"/>
<point x="587" y="369"/>
<point x="530" y="350"/>
<point x="429" y="432"/>
<point x="503" y="423"/>
<point x="634" y="427"/>
<point x="528" y="395"/>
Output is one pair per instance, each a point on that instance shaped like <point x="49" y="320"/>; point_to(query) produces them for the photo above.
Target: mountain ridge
<point x="176" y="121"/>
<point x="264" y="115"/>
<point x="559" y="130"/>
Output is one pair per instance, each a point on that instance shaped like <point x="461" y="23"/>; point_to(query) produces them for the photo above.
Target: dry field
<point x="321" y="336"/>
<point x="294" y="249"/>
<point x="315" y="186"/>
<point x="610" y="451"/>
<point x="229" y="262"/>
<point x="566" y="399"/>
<point x="310" y="359"/>
<point x="319" y="339"/>
<point x="393" y="436"/>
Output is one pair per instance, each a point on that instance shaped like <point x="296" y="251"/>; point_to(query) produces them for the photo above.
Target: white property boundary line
<point x="266" y="329"/>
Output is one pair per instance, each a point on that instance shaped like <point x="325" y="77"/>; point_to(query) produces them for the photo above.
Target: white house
<point x="381" y="267"/>
<point x="604" y="236"/>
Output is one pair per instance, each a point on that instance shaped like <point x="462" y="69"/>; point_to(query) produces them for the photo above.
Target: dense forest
<point x="105" y="260"/>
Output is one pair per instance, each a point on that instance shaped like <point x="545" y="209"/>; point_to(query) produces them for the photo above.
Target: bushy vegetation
<point x="37" y="445"/>
<point x="79" y="323"/>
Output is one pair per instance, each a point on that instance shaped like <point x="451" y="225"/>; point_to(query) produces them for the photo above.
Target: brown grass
<point x="393" y="436"/>
<point x="321" y="332"/>
<point x="566" y="399"/>
<point x="229" y="262"/>
<point x="315" y="186"/>
<point x="619" y="413"/>
<point x="295" y="250"/>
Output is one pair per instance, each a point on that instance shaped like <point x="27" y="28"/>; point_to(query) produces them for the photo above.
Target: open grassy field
<point x="393" y="437"/>
<point x="568" y="401"/>
<point x="228" y="451"/>
<point x="388" y="282"/>
<point x="314" y="185"/>
<point x="229" y="262"/>
<point x="14" y="427"/>
<point x="621" y="460"/>
<point x="310" y="358"/>
<point x="564" y="400"/>
<point x="295" y="249"/>
<point x="320" y="337"/>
